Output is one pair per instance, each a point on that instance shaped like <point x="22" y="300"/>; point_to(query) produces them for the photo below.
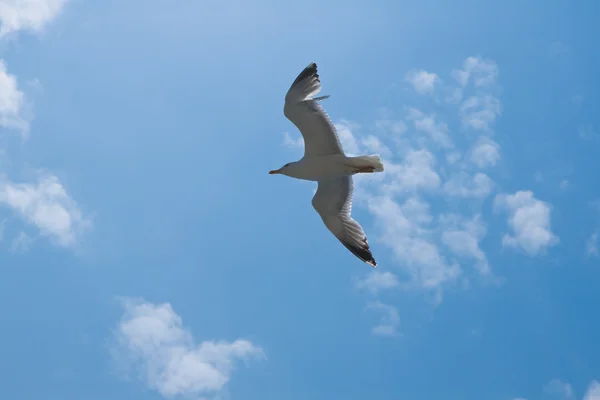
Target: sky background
<point x="147" y="254"/>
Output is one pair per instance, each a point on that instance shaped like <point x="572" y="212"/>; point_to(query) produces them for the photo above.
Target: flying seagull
<point x="324" y="161"/>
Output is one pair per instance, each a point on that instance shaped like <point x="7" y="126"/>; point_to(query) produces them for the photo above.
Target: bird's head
<point x="283" y="170"/>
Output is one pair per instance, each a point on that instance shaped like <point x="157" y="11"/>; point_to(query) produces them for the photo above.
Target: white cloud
<point x="593" y="391"/>
<point x="388" y="125"/>
<point x="31" y="15"/>
<point x="151" y="340"/>
<point x="425" y="247"/>
<point x="46" y="205"/>
<point x="344" y="129"/>
<point x="463" y="185"/>
<point x="11" y="102"/>
<point x="390" y="320"/>
<point x="479" y="112"/>
<point x="406" y="230"/>
<point x="417" y="171"/>
<point x="462" y="237"/>
<point x="485" y="153"/>
<point x="591" y="245"/>
<point x="558" y="387"/>
<point x="374" y="145"/>
<point x="482" y="72"/>
<point x="377" y="281"/>
<point x="437" y="131"/>
<point x="529" y="218"/>
<point x="422" y="81"/>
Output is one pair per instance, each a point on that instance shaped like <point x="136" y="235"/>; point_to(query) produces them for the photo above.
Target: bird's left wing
<point x="303" y="109"/>
<point x="333" y="202"/>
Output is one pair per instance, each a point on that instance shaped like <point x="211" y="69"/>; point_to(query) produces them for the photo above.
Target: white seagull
<point x="324" y="161"/>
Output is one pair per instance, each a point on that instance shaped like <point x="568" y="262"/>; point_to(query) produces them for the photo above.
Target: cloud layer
<point x="45" y="203"/>
<point x="429" y="206"/>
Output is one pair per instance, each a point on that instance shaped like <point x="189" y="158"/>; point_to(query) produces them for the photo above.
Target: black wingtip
<point x="363" y="252"/>
<point x="308" y="72"/>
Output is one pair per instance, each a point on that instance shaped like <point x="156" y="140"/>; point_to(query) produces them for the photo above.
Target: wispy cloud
<point x="560" y="388"/>
<point x="350" y="144"/>
<point x="485" y="153"/>
<point x="438" y="131"/>
<point x="462" y="237"/>
<point x="377" y="281"/>
<point x="479" y="112"/>
<point x="11" y="102"/>
<point x="529" y="219"/>
<point x="480" y="109"/>
<point x="475" y="69"/>
<point x="431" y="164"/>
<point x="415" y="172"/>
<point x="422" y="81"/>
<point x="464" y="185"/>
<point x="408" y="231"/>
<point x="152" y="342"/>
<point x="46" y="205"/>
<point x="593" y="391"/>
<point x="31" y="15"/>
<point x="390" y="320"/>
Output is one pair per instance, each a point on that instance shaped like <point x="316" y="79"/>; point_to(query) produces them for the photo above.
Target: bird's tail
<point x="371" y="163"/>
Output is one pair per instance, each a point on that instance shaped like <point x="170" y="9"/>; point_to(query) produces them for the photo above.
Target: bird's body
<point x="324" y="161"/>
<point x="317" y="168"/>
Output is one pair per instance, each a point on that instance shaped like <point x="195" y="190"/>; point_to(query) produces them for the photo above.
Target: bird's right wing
<point x="320" y="136"/>
<point x="333" y="202"/>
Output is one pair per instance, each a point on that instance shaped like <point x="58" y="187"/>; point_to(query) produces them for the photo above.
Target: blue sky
<point x="146" y="253"/>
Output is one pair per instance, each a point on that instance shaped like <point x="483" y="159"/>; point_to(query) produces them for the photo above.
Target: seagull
<point x="324" y="161"/>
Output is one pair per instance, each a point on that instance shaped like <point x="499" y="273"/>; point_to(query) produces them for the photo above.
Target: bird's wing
<point x="320" y="136"/>
<point x="333" y="202"/>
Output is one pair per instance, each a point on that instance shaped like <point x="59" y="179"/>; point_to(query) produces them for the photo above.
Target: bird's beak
<point x="275" y="171"/>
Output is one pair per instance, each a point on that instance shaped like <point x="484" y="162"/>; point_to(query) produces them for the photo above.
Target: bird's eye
<point x="286" y="165"/>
